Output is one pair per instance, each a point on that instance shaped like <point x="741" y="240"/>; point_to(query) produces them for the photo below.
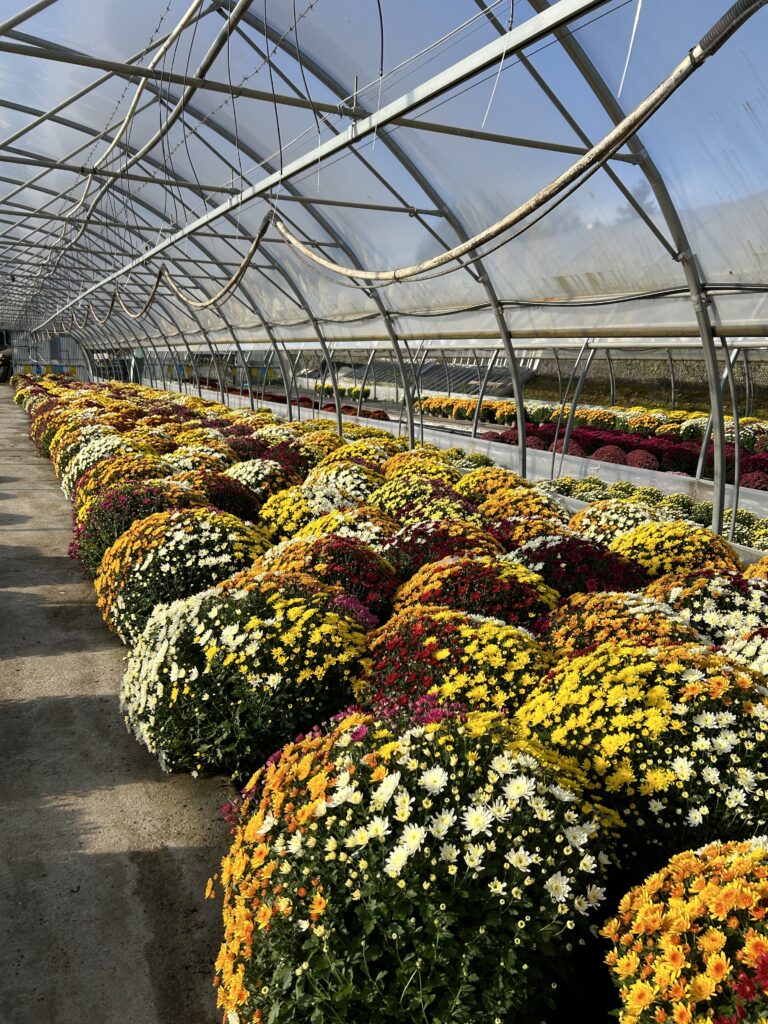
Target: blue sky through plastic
<point x="710" y="141"/>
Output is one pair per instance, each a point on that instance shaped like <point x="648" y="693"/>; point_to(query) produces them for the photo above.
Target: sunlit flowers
<point x="690" y="943"/>
<point x="354" y="833"/>
<point x="677" y="546"/>
<point x="480" y="585"/>
<point x="169" y="555"/>
<point x="478" y="662"/>
<point x="674" y="739"/>
<point x="218" y="680"/>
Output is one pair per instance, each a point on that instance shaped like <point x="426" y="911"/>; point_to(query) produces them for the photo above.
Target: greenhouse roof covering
<point x="172" y="151"/>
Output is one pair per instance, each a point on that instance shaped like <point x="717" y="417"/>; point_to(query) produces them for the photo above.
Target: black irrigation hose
<point x="730" y="22"/>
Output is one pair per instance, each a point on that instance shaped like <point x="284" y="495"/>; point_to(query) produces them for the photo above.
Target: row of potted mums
<point x="487" y="750"/>
<point x="641" y="438"/>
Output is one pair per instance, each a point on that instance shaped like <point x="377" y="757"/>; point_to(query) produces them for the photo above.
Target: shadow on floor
<point x="102" y="909"/>
<point x="36" y="626"/>
<point x="12" y="519"/>
<point x="118" y="938"/>
<point x="26" y="566"/>
<point x="85" y="732"/>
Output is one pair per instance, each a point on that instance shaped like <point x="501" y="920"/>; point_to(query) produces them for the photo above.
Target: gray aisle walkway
<point x="103" y="859"/>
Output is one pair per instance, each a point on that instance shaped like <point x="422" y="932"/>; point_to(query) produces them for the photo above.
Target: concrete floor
<point x="103" y="859"/>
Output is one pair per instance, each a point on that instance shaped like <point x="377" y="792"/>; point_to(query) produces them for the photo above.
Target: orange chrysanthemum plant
<point x="691" y="943"/>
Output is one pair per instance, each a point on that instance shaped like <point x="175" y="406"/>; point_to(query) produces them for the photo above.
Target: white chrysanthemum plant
<point x="443" y="872"/>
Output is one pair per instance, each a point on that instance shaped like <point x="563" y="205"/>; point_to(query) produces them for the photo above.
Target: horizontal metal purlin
<point x="537" y="27"/>
<point x="412" y="211"/>
<point x="82" y="92"/>
<point x="40" y="161"/>
<point x="33" y="185"/>
<point x="148" y="271"/>
<point x="25" y="15"/>
<point x="572" y="334"/>
<point x="508" y="140"/>
<point x="64" y="56"/>
<point x="50" y="114"/>
<point x="43" y="215"/>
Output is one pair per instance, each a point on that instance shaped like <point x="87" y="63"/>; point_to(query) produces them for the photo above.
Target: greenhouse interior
<point x="384" y="511"/>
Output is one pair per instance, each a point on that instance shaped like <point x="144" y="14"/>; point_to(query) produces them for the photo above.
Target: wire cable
<point x="381" y="65"/>
<point x="274" y="105"/>
<point x="163" y="274"/>
<point x="631" y="46"/>
<point x="510" y="22"/>
<point x="230" y="285"/>
<point x="235" y="16"/>
<point x="306" y="86"/>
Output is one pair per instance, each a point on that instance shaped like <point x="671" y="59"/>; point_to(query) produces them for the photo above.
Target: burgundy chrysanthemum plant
<point x="749" y="993"/>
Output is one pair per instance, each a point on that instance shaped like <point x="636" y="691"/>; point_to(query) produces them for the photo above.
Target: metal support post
<point x="562" y="407"/>
<point x="572" y="411"/>
<point x="559" y="376"/>
<point x="672" y="382"/>
<point x="611" y="376"/>
<point x="736" y="438"/>
<point x="365" y="378"/>
<point x="267" y="363"/>
<point x="749" y="386"/>
<point x="709" y="427"/>
<point x="481" y="393"/>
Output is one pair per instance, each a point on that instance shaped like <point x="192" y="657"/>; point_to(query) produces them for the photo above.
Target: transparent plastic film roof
<point x="220" y="170"/>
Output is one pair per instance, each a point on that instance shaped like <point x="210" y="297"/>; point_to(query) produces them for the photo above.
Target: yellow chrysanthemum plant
<point x="677" y="546"/>
<point x="333" y="488"/>
<point x="170" y="555"/>
<point x="480" y="484"/>
<point x="217" y="681"/>
<point x="420" y="463"/>
<point x="432" y="872"/>
<point x="362" y="522"/>
<point x="155" y="437"/>
<point x="413" y="499"/>
<point x="690" y="944"/>
<point x="758" y="570"/>
<point x="673" y="739"/>
<point x="374" y="450"/>
<point x="481" y="663"/>
<point x="523" y="502"/>
<point x="283" y="514"/>
<point x="320" y="442"/>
